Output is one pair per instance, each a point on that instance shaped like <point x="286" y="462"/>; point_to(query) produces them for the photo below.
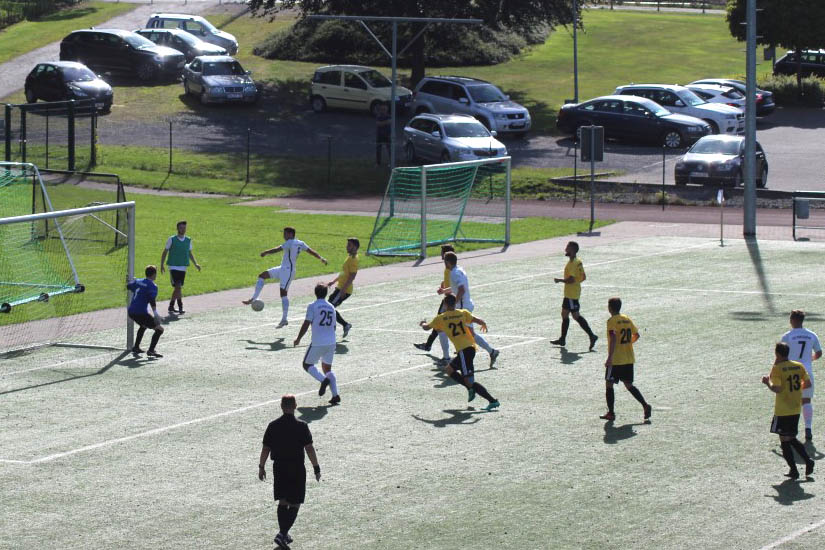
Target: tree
<point x="497" y="14"/>
<point x="792" y="24"/>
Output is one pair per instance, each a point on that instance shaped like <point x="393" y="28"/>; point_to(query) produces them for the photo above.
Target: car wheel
<point x="714" y="128"/>
<point x="445" y="156"/>
<point x="673" y="139"/>
<point x="374" y="106"/>
<point x="30" y="96"/>
<point x="146" y="71"/>
<point x="318" y="104"/>
<point x="410" y="152"/>
<point x="763" y="181"/>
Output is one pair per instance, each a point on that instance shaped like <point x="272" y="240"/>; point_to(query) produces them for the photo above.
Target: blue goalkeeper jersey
<point x="145" y="293"/>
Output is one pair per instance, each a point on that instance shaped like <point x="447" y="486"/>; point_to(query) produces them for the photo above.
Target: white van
<point x="354" y="87"/>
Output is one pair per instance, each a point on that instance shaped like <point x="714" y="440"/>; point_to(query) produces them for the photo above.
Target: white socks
<point x="482" y="342"/>
<point x="333" y="383"/>
<point x="285" y="306"/>
<point x="315" y="373"/>
<point x="445" y="345"/>
<point x="259" y="286"/>
<point x="808" y="414"/>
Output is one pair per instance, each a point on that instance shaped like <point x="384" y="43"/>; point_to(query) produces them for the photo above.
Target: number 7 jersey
<point x="622" y="327"/>
<point x="322" y="316"/>
<point x="789" y="376"/>
<point x="456" y="325"/>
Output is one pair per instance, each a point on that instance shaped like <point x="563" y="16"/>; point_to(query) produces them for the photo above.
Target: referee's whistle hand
<point x="261" y="474"/>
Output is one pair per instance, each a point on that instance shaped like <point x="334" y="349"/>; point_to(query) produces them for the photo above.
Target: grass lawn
<point x="29" y="35"/>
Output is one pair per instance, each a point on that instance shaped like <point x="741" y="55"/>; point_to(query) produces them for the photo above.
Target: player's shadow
<point x="125" y="358"/>
<point x="311" y="414"/>
<point x="812" y="452"/>
<point x="569" y="357"/>
<point x="457" y="417"/>
<point x="277" y="345"/>
<point x="613" y="433"/>
<point x="789" y="492"/>
<point x="341" y="349"/>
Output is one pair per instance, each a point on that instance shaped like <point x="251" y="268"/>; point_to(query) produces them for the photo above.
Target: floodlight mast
<point x="393" y="52"/>
<point x="749" y="224"/>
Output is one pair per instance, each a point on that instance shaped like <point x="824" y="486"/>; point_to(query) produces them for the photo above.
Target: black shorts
<point x="143" y="319"/>
<point x="619" y="373"/>
<point x="337" y="297"/>
<point x="289" y="481"/>
<point x="785" y="425"/>
<point x="463" y="361"/>
<point x="176" y="277"/>
<point x="570" y="305"/>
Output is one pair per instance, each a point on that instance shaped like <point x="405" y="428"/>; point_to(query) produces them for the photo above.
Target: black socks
<point x="610" y="395"/>
<point x="583" y="324"/>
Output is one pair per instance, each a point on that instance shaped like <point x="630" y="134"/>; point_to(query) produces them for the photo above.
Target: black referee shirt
<point x="286" y="438"/>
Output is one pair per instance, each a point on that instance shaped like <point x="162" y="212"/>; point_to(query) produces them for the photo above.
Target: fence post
<point x="23" y="133"/>
<point x="47" y="136"/>
<point x="575" y="171"/>
<point x="71" y="136"/>
<point x="329" y="161"/>
<point x="248" y="132"/>
<point x="170" y="146"/>
<point x="7" y="130"/>
<point x="93" y="136"/>
<point x="664" y="152"/>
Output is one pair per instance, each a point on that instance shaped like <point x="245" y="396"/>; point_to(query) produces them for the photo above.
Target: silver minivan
<point x="196" y="25"/>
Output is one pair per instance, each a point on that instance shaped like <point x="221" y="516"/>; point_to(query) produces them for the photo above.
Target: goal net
<point x="62" y="272"/>
<point x="452" y="202"/>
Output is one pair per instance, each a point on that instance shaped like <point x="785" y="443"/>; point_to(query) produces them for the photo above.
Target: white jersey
<point x="803" y="343"/>
<point x="291" y="249"/>
<point x="322" y="316"/>
<point x="459" y="278"/>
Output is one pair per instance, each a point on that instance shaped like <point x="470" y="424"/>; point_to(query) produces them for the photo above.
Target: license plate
<point x="99" y="105"/>
<point x="698" y="174"/>
<point x="234" y="96"/>
<point x="517" y="125"/>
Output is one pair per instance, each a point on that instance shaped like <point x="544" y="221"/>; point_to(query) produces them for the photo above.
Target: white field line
<point x="711" y="290"/>
<point x="379" y="304"/>
<point x="487" y="334"/>
<point x="155" y="431"/>
<point x="794" y="535"/>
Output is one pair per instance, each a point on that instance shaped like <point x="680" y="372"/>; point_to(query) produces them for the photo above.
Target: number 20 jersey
<point x="623" y="329"/>
<point x="322" y="316"/>
<point x="456" y="325"/>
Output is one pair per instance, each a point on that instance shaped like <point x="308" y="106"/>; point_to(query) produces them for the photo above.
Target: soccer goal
<point x="436" y="204"/>
<point x="62" y="272"/>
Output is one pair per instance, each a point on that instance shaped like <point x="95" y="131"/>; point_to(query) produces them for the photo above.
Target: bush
<point x="786" y="92"/>
<point x="345" y="42"/>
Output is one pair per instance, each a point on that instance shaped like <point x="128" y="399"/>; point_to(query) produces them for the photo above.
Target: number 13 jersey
<point x="322" y="316"/>
<point x="456" y="325"/>
<point x="790" y="376"/>
<point x="623" y="328"/>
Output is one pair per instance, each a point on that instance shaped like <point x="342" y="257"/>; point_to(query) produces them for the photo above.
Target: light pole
<point x="575" y="52"/>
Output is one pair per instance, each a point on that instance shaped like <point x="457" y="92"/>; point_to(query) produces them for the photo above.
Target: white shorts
<point x="285" y="276"/>
<point x="317" y="351"/>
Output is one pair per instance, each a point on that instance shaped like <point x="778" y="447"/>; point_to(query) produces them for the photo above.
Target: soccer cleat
<point x="181" y="312"/>
<point x="346" y="330"/>
<point x="793" y="474"/>
<point x="609" y="415"/>
<point x="136" y="350"/>
<point x="281" y="541"/>
<point x="492" y="405"/>
<point x="422" y="347"/>
<point x="323" y="389"/>
<point x="808" y="434"/>
<point x="471" y="394"/>
<point x="809" y="468"/>
<point x="593" y="339"/>
<point x="335" y="400"/>
<point x="153" y="353"/>
<point x="559" y="342"/>
<point x="493" y="356"/>
<point x="648" y="411"/>
<point x="282" y="324"/>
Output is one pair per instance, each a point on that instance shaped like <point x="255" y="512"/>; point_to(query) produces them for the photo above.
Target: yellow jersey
<point x="623" y="329"/>
<point x="575" y="268"/>
<point x="446" y="281"/>
<point x="456" y="325"/>
<point x="789" y="376"/>
<point x="350" y="267"/>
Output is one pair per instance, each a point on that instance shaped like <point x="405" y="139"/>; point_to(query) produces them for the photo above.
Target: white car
<point x="723" y="119"/>
<point x="714" y="93"/>
<point x="449" y="138"/>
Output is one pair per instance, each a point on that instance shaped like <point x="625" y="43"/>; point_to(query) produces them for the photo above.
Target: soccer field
<point x="163" y="454"/>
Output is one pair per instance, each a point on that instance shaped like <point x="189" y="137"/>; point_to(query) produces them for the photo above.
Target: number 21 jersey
<point x="322" y="316"/>
<point x="456" y="325"/>
<point x="623" y="329"/>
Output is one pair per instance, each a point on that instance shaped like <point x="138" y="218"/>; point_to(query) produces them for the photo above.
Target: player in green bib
<point x="176" y="255"/>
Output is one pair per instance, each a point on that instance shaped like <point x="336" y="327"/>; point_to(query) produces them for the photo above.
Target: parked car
<point x="719" y="160"/>
<point x="196" y="25"/>
<point x="715" y="93"/>
<point x="119" y="51"/>
<point x="474" y="97"/>
<point x="764" y="99"/>
<point x="188" y="44"/>
<point x="812" y="63"/>
<point x="354" y="87"/>
<point x="65" y="80"/>
<point x="630" y="117"/>
<point x="678" y="99"/>
<point x="449" y="138"/>
<point x="219" y="79"/>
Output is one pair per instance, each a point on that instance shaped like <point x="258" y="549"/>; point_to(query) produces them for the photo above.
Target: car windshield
<point x="657" y="109"/>
<point x="465" y="129"/>
<point x="716" y="147"/>
<point x="486" y="94"/>
<point x="77" y="74"/>
<point x="222" y="68"/>
<point x="208" y="26"/>
<point x="375" y="79"/>
<point x="138" y="41"/>
<point x="690" y="99"/>
<point x="190" y="39"/>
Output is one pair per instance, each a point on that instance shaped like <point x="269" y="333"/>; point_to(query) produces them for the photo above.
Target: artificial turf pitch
<point x="163" y="454"/>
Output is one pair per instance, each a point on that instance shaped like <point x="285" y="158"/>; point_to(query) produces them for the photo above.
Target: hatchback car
<point x="65" y="80"/>
<point x="714" y="93"/>
<point x="219" y="79"/>
<point x="119" y="51"/>
<point x="764" y="99"/>
<point x="474" y="97"/>
<point x="449" y="138"/>
<point x="188" y="44"/>
<point x="354" y="87"/>
<point x="196" y="25"/>
<point x="630" y="117"/>
<point x="719" y="160"/>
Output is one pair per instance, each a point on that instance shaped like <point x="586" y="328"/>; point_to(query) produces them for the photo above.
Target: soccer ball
<point x="257" y="305"/>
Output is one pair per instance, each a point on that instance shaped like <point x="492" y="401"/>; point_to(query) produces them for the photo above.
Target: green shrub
<point x="786" y="92"/>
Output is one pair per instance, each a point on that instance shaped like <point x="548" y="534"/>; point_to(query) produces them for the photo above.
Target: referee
<point x="285" y="440"/>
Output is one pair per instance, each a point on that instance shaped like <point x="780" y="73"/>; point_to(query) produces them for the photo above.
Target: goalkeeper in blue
<point x="145" y="292"/>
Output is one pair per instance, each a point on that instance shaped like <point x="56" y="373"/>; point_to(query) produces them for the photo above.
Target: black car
<point x="65" y="80"/>
<point x="190" y="45"/>
<point x="719" y="160"/>
<point x="124" y="52"/>
<point x="812" y="62"/>
<point x="635" y="118"/>
<point x="764" y="99"/>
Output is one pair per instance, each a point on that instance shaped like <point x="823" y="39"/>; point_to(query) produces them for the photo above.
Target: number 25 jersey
<point x="322" y="316"/>
<point x="623" y="329"/>
<point x="456" y="325"/>
<point x="790" y="376"/>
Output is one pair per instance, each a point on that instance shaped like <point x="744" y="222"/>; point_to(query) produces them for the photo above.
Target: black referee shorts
<point x="177" y="277"/>
<point x="290" y="481"/>
<point x="570" y="305"/>
<point x="337" y="297"/>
